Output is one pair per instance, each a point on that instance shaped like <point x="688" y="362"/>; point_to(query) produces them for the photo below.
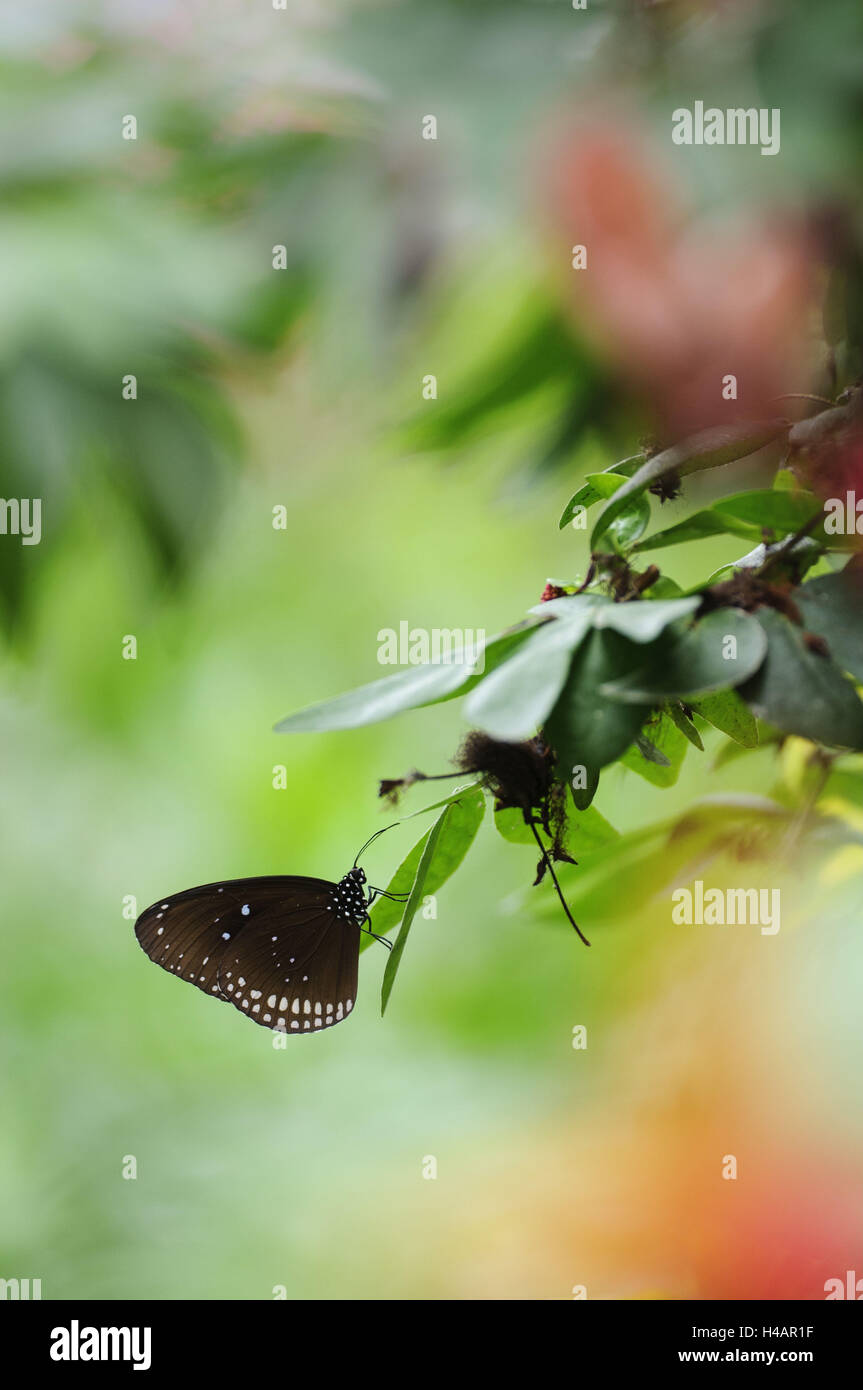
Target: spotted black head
<point x="349" y="897"/>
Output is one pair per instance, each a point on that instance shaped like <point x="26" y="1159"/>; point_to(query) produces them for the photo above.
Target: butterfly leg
<point x="393" y="897"/>
<point x="381" y="939"/>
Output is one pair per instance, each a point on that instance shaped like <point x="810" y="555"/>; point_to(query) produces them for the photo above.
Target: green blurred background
<point x="257" y="388"/>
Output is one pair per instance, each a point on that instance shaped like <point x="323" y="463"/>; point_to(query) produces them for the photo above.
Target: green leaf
<point x="583" y="796"/>
<point x="644" y="619"/>
<point x="632" y="522"/>
<point x="417" y="686"/>
<point x="833" y="607"/>
<point x="664" y="587"/>
<point x="730" y="714"/>
<point x="681" y="721"/>
<point x="641" y="621"/>
<point x="537" y="349"/>
<point x="744" y="514"/>
<point x="605" y="484"/>
<point x="468" y="807"/>
<point x="770" y="507"/>
<point x="665" y="739"/>
<point x="709" y="449"/>
<point x="455" y="795"/>
<point x="697" y="527"/>
<point x="515" y="698"/>
<point x="801" y="557"/>
<point x="583" y="728"/>
<point x="650" y="752"/>
<point x="697" y="661"/>
<point x="802" y="692"/>
<point x="510" y="824"/>
<point x="591" y="491"/>
<point x="585" y="830"/>
<point x="417" y="893"/>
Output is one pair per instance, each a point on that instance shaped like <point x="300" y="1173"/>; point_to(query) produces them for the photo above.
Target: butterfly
<point x="283" y="949"/>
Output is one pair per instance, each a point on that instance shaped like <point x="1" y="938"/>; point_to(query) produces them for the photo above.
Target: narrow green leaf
<point x="408" y="689"/>
<point x="681" y="721"/>
<point x="417" y="893"/>
<point x="605" y="483"/>
<point x="769" y="507"/>
<point x="697" y="527"/>
<point x="386" y="913"/>
<point x="709" y="449"/>
<point x="468" y="807"/>
<point x="591" y="492"/>
<point x="456" y="795"/>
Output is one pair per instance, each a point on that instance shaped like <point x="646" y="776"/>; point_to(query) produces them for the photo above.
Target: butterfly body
<point x="283" y="949"/>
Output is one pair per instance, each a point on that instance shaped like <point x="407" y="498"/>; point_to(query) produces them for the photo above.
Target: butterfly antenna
<point x="548" y="864"/>
<point x="374" y="837"/>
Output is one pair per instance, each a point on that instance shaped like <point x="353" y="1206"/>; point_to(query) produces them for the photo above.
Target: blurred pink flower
<point x="676" y="303"/>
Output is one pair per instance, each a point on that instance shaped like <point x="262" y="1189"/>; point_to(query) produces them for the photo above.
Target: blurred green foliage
<point x="301" y="388"/>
